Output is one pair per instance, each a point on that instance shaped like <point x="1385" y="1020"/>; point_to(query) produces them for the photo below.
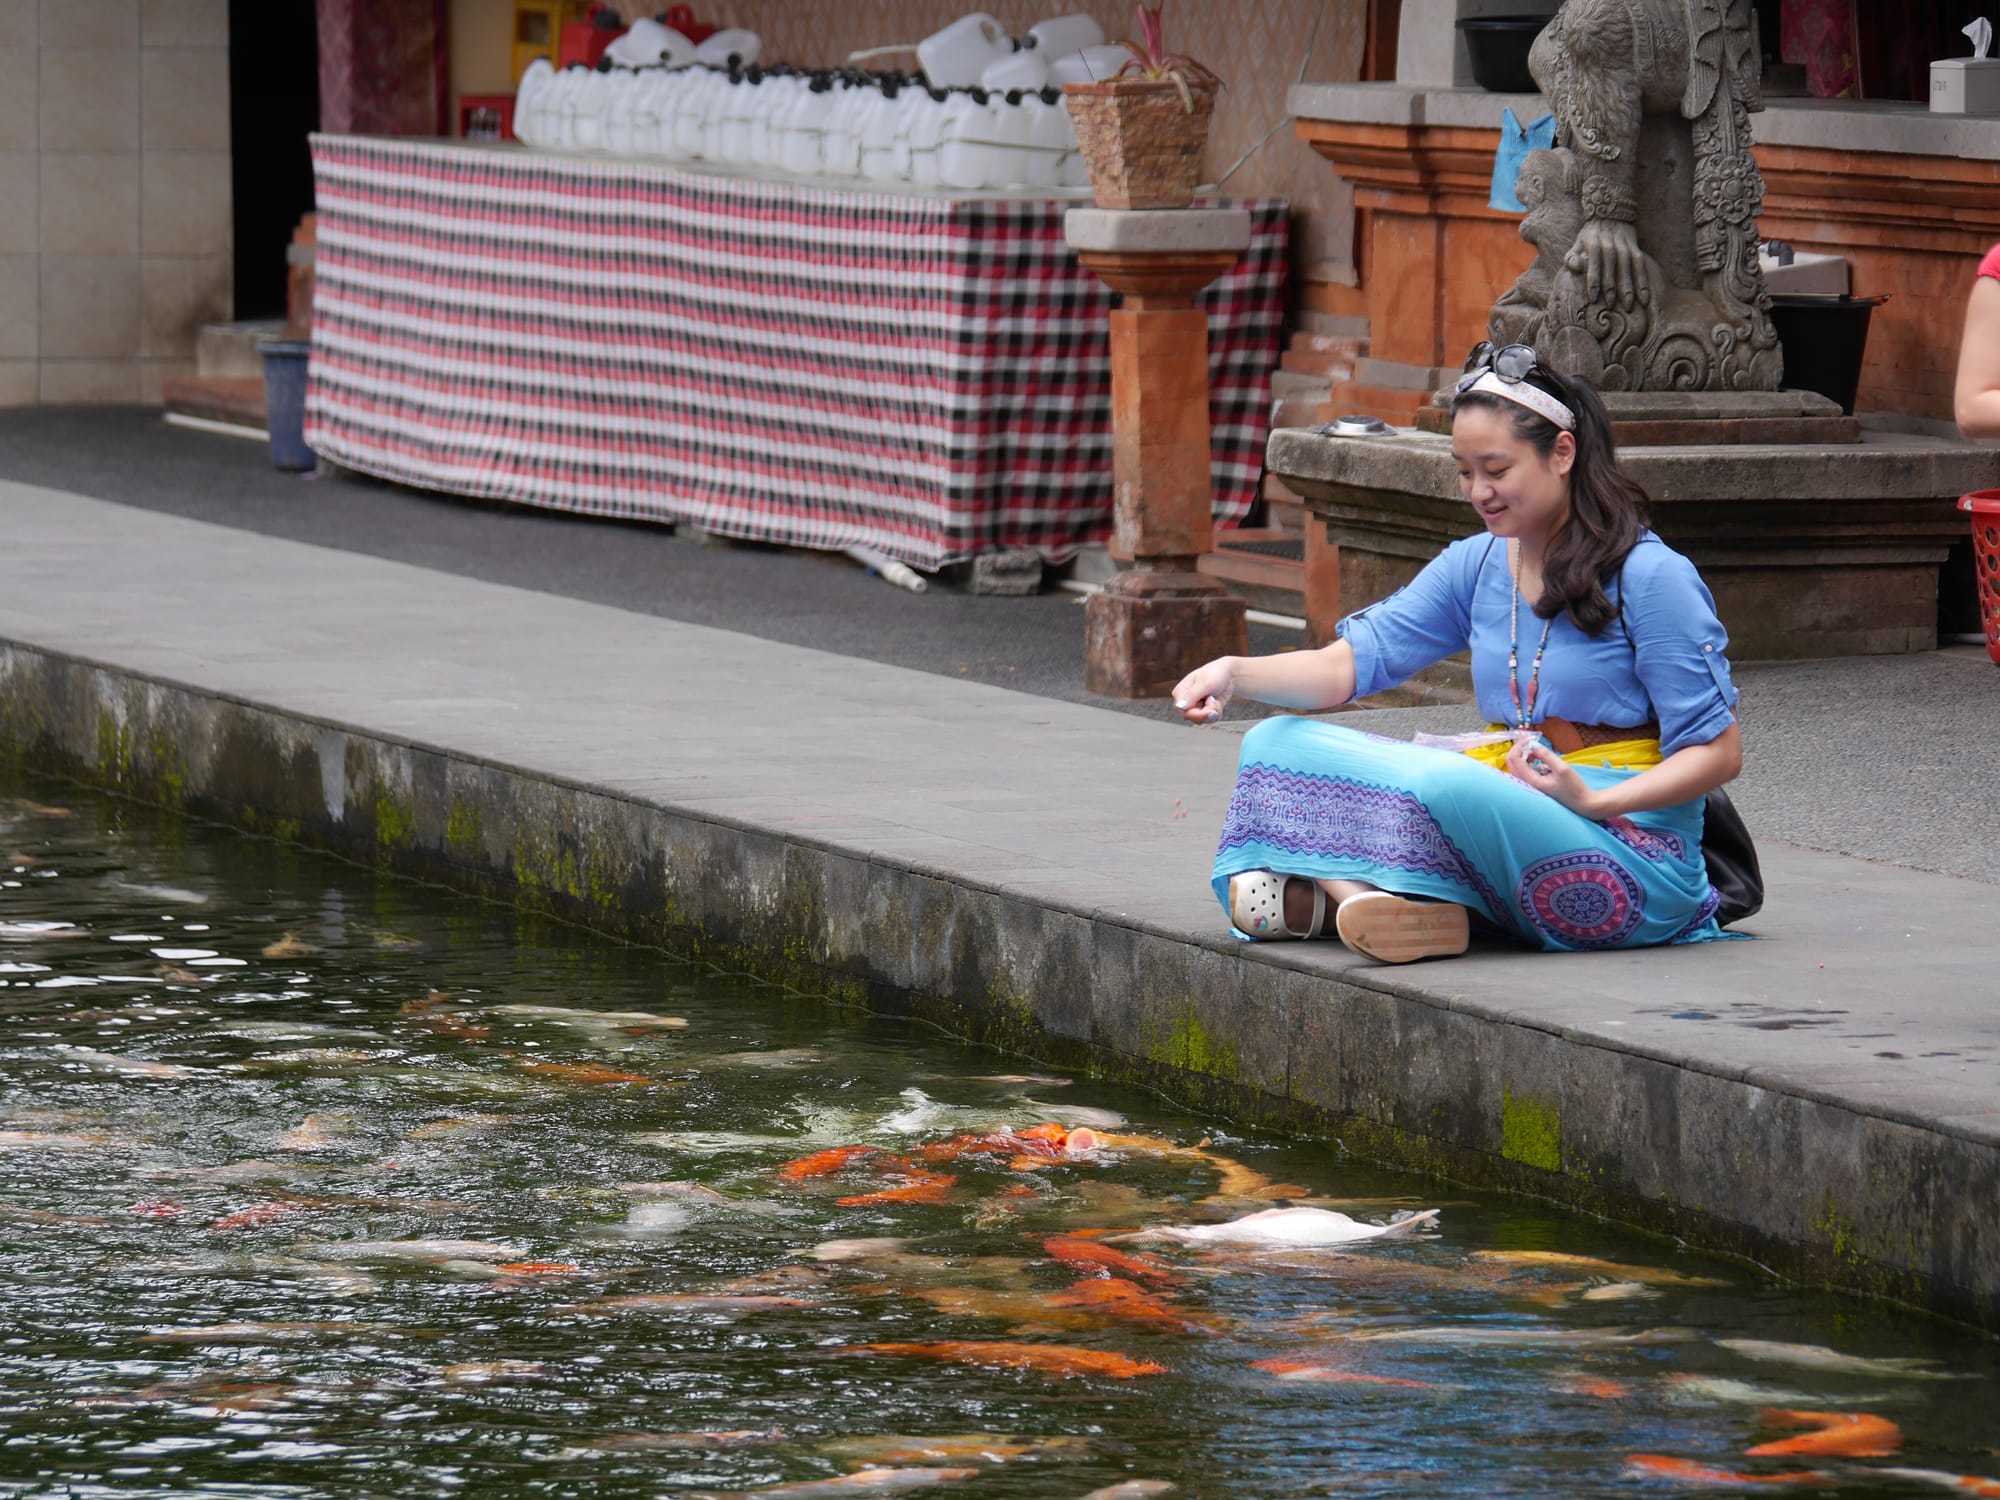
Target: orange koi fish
<point x="1658" y="1466"/>
<point x="1305" y="1369"/>
<point x="923" y="1187"/>
<point x="156" y="1208"/>
<point x="1127" y="1302"/>
<point x="825" y="1163"/>
<point x="538" y="1268"/>
<point x="257" y="1213"/>
<point x="1049" y="1359"/>
<point x="1838" y="1434"/>
<point x="1092" y="1258"/>
<point x="584" y="1073"/>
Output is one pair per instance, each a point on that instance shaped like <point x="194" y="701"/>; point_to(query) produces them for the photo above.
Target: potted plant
<point x="1142" y="130"/>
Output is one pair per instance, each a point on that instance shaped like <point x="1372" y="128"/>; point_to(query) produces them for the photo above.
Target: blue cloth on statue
<point x="1664" y="661"/>
<point x="1329" y="802"/>
<point x="1516" y="141"/>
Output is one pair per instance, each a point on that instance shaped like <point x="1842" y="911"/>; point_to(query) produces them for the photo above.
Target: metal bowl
<point x="1355" y="427"/>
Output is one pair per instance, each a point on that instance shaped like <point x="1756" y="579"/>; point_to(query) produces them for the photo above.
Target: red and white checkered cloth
<point x="926" y="376"/>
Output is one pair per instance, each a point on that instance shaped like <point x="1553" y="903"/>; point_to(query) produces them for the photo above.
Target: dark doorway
<point x="273" y="106"/>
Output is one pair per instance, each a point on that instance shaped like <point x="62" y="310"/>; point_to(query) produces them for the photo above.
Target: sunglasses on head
<point x="1512" y="364"/>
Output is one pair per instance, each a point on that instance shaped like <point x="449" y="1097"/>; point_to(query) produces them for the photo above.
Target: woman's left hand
<point x="1547" y="772"/>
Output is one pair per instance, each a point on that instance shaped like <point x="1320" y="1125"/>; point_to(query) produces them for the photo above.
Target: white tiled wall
<point x="114" y="194"/>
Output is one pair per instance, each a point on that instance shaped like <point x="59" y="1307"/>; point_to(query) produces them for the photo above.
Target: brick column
<point x="1159" y="618"/>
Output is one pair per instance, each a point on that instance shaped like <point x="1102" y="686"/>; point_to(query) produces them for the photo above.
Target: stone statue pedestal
<point x="1159" y="619"/>
<point x="1811" y="549"/>
<point x="1679" y="419"/>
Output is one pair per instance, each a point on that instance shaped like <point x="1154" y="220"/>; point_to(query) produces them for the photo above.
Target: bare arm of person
<point x="1291" y="679"/>
<point x="1690" y="772"/>
<point x="1977" y="400"/>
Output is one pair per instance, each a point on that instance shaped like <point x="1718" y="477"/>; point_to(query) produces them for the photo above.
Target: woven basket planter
<point x="1140" y="141"/>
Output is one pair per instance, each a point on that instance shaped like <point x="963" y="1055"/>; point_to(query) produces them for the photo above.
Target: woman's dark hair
<point x="1607" y="509"/>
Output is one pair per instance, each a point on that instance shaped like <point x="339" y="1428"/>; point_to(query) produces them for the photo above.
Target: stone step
<point x="229" y="350"/>
<point x="233" y="399"/>
<point x="1263" y="566"/>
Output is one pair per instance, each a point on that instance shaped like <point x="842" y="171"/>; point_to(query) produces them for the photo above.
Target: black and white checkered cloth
<point x="926" y="376"/>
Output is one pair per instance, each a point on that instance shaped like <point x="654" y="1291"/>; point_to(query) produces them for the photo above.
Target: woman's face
<point x="1516" y="491"/>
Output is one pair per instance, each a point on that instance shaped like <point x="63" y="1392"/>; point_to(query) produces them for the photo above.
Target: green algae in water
<point x="435" y="1199"/>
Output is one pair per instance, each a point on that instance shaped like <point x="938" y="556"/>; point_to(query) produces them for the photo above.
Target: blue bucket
<point x="285" y="401"/>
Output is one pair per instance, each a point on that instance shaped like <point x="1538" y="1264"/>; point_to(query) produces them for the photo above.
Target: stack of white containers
<point x="986" y="113"/>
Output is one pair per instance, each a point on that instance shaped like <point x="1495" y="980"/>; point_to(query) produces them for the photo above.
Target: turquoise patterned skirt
<point x="1329" y="802"/>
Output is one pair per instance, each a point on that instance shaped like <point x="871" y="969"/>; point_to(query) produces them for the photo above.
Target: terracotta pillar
<point x="1159" y="618"/>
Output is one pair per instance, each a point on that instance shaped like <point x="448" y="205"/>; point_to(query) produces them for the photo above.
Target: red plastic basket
<point x="1984" y="506"/>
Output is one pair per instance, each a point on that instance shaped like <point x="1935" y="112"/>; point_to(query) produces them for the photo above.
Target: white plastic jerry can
<point x="1007" y="128"/>
<point x="926" y="121"/>
<point x="957" y="55"/>
<point x="800" y="147"/>
<point x="1064" y="34"/>
<point x="731" y="42"/>
<point x="879" y="157"/>
<point x="842" y="145"/>
<point x="1051" y="136"/>
<point x="619" y="89"/>
<point x="531" y="103"/>
<point x="965" y="161"/>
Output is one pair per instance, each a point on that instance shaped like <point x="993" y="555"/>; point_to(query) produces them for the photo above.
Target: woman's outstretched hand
<point x="1547" y="772"/>
<point x="1204" y="693"/>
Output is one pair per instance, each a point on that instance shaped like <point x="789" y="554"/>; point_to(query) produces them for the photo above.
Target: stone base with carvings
<point x="1809" y="549"/>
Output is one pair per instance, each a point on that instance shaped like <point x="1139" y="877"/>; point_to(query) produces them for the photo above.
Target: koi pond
<point x="327" y="1183"/>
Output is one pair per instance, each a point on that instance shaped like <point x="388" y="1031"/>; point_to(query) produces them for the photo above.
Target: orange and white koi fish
<point x="825" y="1163"/>
<point x="862" y="1482"/>
<point x="1305" y="1369"/>
<point x="310" y="1134"/>
<point x="1610" y="1269"/>
<point x="259" y="1333"/>
<point x="607" y="1020"/>
<point x="1049" y="1359"/>
<point x="1132" y="1489"/>
<point x="587" y="1073"/>
<point x="1686" y="1471"/>
<point x="885" y="1449"/>
<point x="257" y="1214"/>
<point x="538" y="1268"/>
<point x="110" y="1062"/>
<point x="1965" y="1484"/>
<point x="1597" y="1387"/>
<point x="289" y="946"/>
<point x="1090" y="1257"/>
<point x="648" y="1442"/>
<point x="687" y="1302"/>
<point x="478" y="1372"/>
<point x="417" y="1250"/>
<point x="1838" y="1434"/>
<point x="437" y="1012"/>
<point x="457" y="1125"/>
<point x="157" y="1208"/>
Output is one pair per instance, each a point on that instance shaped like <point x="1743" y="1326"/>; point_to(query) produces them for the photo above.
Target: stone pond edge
<point x="1810" y="1188"/>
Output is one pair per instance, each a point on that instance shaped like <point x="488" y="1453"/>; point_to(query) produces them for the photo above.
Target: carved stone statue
<point x="1644" y="214"/>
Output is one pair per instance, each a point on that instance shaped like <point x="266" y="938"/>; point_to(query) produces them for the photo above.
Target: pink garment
<point x="1820" y="34"/>
<point x="382" y="67"/>
<point x="1989" y="265"/>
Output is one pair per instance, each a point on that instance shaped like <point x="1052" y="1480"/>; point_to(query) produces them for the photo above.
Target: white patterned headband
<point x="1520" y="392"/>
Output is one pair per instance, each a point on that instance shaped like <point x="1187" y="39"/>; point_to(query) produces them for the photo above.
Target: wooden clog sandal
<point x="1392" y="929"/>
<point x="1257" y="905"/>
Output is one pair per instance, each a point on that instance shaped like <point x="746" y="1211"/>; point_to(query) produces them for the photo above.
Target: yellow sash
<point x="1619" y="755"/>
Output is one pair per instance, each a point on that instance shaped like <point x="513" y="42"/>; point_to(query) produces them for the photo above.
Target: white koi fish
<point x="1132" y="1489"/>
<point x="1816" y="1357"/>
<point x="1289" y="1227"/>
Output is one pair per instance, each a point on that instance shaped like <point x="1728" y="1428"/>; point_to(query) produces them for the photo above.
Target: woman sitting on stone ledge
<point x="1595" y="649"/>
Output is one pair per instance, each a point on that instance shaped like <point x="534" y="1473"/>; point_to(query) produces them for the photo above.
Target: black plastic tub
<point x="1824" y="339"/>
<point x="1499" y="48"/>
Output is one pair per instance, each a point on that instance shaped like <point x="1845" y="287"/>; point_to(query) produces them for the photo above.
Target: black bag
<point x="1726" y="847"/>
<point x="1731" y="859"/>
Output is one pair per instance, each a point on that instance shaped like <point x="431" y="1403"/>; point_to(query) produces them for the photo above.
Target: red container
<point x="1984" y="506"/>
<point x="584" y="42"/>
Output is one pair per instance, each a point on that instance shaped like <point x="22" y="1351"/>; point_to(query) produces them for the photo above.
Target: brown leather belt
<point x="1566" y="738"/>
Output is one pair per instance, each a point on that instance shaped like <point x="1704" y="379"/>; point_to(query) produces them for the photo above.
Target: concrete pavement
<point x="1015" y="866"/>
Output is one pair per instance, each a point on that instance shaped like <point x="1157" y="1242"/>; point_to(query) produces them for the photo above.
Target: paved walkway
<point x="1873" y="992"/>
